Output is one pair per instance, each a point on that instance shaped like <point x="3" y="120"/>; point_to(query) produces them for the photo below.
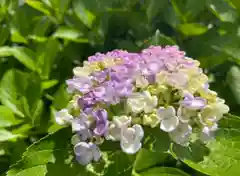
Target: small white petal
<point x="169" y="124"/>
<point x="62" y="117"/>
<point x="114" y="130"/>
<point x="207" y="133"/>
<point x="81" y="71"/>
<point x="84" y="160"/>
<point x="131" y="148"/>
<point x="81" y="148"/>
<point x="182" y="134"/>
<point x="131" y="139"/>
<point x="168" y="112"/>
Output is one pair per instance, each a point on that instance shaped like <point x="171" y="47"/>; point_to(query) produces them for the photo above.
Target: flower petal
<point x="131" y="139"/>
<point x="169" y="124"/>
<point x="181" y="135"/>
<point x="164" y="113"/>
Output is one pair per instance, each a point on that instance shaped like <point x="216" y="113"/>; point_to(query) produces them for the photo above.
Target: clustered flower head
<point x="114" y="95"/>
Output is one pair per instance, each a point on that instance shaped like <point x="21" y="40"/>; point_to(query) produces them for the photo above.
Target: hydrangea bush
<point x="115" y="95"/>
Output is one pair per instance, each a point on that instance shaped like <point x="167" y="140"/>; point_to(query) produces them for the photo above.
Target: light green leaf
<point x="5" y="51"/>
<point x="146" y="159"/>
<point x="223" y="159"/>
<point x="70" y="34"/>
<point x="86" y="16"/>
<point x="7" y="135"/>
<point x="25" y="56"/>
<point x="39" y="6"/>
<point x="192" y="29"/>
<point x="49" y="84"/>
<point x="11" y="87"/>
<point x="22" y="54"/>
<point x="7" y="117"/>
<point x="233" y="80"/>
<point x="163" y="171"/>
<point x="40" y="170"/>
<point x="47" y="53"/>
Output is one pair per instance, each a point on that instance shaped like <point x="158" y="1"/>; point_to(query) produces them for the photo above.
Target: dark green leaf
<point x="4" y="34"/>
<point x="233" y="80"/>
<point x="223" y="10"/>
<point x="47" y="53"/>
<point x="146" y="159"/>
<point x="61" y="97"/>
<point x="156" y="140"/>
<point x="86" y="16"/>
<point x="164" y="171"/>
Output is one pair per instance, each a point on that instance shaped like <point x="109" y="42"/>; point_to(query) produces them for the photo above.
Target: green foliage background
<point x="42" y="40"/>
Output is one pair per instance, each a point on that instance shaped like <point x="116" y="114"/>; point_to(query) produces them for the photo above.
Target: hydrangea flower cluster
<point x="117" y="93"/>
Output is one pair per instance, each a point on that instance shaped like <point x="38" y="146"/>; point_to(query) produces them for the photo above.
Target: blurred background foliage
<point x="42" y="40"/>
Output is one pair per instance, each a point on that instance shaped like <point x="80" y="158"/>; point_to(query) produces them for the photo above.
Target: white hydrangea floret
<point x="181" y="135"/>
<point x="168" y="119"/>
<point x="115" y="127"/>
<point x="143" y="101"/>
<point x="63" y="117"/>
<point x="131" y="139"/>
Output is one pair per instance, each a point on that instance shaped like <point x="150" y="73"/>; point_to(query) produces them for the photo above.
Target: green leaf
<point x="164" y="171"/>
<point x="7" y="135"/>
<point x="61" y="97"/>
<point x="192" y="29"/>
<point x="22" y="54"/>
<point x="4" y="34"/>
<point x="224" y="155"/>
<point x="36" y="170"/>
<point x="223" y="10"/>
<point x="39" y="6"/>
<point x="233" y="80"/>
<point x="146" y="159"/>
<point x="70" y="34"/>
<point x="11" y="87"/>
<point x="5" y="51"/>
<point x="236" y="4"/>
<point x="154" y="7"/>
<point x="7" y="117"/>
<point x="86" y="16"/>
<point x="161" y="39"/>
<point x="47" y="53"/>
<point x="156" y="140"/>
<point x="49" y="84"/>
<point x="25" y="56"/>
<point x="42" y="152"/>
<point x="60" y="7"/>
